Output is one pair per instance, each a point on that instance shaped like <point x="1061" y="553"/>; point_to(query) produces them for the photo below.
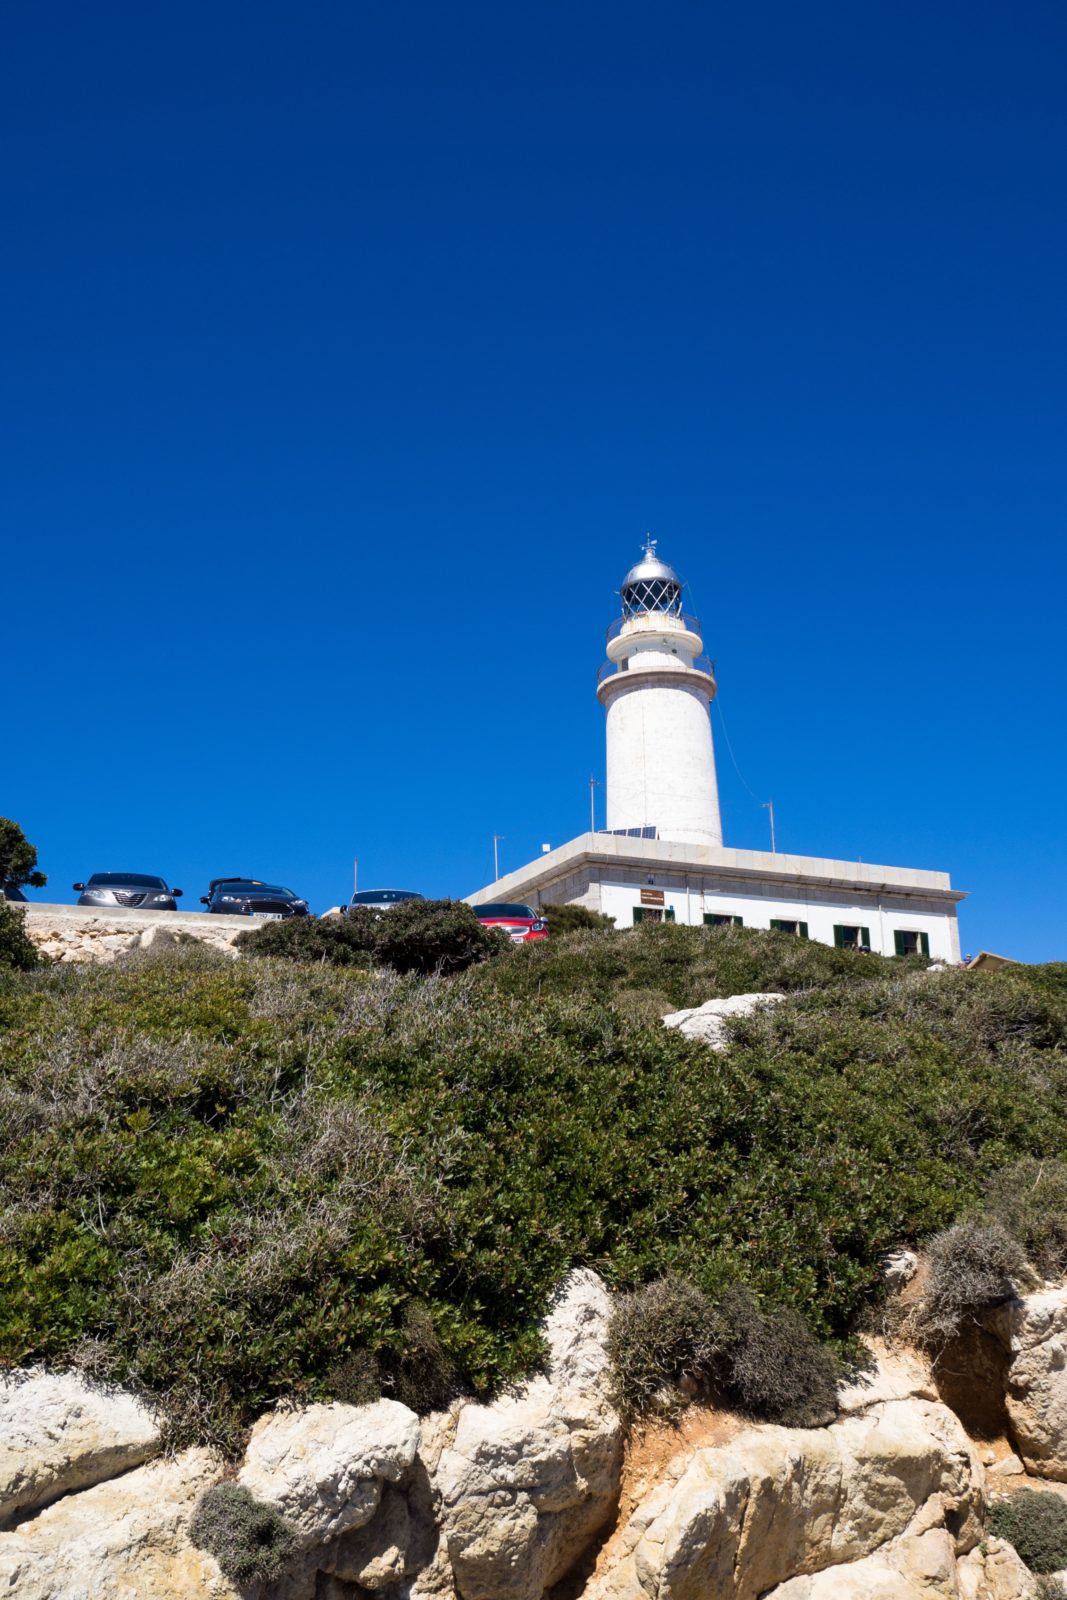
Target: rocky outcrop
<point x="323" y="1468"/>
<point x="58" y="1433"/>
<point x="708" y="1022"/>
<point x="78" y="933"/>
<point x="776" y="1504"/>
<point x="527" y="1481"/>
<point x="1034" y="1331"/>
<point x="122" y="1540"/>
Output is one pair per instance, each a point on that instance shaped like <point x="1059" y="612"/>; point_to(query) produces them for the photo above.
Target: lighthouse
<point x="657" y="687"/>
<point x="661" y="858"/>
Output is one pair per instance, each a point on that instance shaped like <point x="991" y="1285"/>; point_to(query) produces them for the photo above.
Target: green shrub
<point x="569" y="919"/>
<point x="1035" y="1522"/>
<point x="247" y="1182"/>
<point x="17" y="949"/>
<point x="1029" y="1200"/>
<point x="250" y="1541"/>
<point x="18" y="859"/>
<point x="421" y="936"/>
<point x="972" y="1267"/>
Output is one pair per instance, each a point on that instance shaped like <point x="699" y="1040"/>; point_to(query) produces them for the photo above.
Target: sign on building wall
<point x="651" y="897"/>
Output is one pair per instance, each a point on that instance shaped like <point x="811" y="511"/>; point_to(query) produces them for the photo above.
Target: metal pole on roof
<point x="496" y="854"/>
<point x="593" y="786"/>
<point x="768" y="805"/>
<point x="355" y="874"/>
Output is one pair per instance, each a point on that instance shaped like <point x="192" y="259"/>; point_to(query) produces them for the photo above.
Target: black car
<point x="234" y="897"/>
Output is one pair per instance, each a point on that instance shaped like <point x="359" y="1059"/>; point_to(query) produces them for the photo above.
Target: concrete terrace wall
<point x="80" y="933"/>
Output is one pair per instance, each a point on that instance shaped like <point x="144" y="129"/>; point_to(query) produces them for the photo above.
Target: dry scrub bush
<point x="971" y="1269"/>
<point x="250" y="1541"/>
<point x="660" y="1335"/>
<point x="764" y="1361"/>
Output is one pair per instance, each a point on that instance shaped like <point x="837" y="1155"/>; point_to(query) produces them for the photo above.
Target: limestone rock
<point x="57" y="1434"/>
<point x="528" y="1480"/>
<point x="993" y="1571"/>
<point x="1009" y="1467"/>
<point x="780" y="1503"/>
<point x="1035" y="1331"/>
<point x="122" y="1540"/>
<point x="895" y="1375"/>
<point x="323" y="1467"/>
<point x="899" y="1268"/>
<point x="708" y="1022"/>
<point x="912" y="1568"/>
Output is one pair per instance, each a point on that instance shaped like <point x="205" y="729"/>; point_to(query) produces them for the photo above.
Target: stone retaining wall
<point x="81" y="933"/>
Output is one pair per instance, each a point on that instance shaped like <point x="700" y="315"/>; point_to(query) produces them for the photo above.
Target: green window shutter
<point x="803" y="927"/>
<point x="639" y="914"/>
<point x="775" y="923"/>
<point x="898" y="942"/>
<point x="865" y="937"/>
<point x="839" y="936"/>
<point x="709" y="919"/>
<point x="739" y="922"/>
<point x="924" y="940"/>
<point x="668" y="915"/>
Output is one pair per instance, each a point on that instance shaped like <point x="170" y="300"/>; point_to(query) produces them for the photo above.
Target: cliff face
<point x="538" y="1496"/>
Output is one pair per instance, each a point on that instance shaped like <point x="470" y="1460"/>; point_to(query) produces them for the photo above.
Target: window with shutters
<point x="911" y="942"/>
<point x="653" y="914"/>
<point x="721" y="919"/>
<point x="785" y="925"/>
<point x="849" y="936"/>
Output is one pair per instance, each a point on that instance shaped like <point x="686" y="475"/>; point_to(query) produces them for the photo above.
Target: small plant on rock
<point x="1035" y="1522"/>
<point x="973" y="1267"/>
<point x="250" y="1541"/>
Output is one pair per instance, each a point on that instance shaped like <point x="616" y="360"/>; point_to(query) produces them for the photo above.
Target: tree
<point x="18" y="859"/>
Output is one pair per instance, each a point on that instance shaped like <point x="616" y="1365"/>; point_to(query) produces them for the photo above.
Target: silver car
<point x="383" y="899"/>
<point x="137" y="890"/>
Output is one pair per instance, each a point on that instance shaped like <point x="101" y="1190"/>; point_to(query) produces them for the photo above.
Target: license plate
<point x="269" y="916"/>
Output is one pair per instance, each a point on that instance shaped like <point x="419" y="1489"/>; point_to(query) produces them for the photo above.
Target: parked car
<point x="213" y="885"/>
<point x="136" y="889"/>
<point x="244" y="897"/>
<point x="383" y="899"/>
<point x="521" y="923"/>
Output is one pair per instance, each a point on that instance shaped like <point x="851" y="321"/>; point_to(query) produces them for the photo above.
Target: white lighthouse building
<point x="656" y="687"/>
<point x="661" y="856"/>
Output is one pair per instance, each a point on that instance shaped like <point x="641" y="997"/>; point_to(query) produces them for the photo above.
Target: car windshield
<point x="382" y="897"/>
<point x="510" y="913"/>
<point x="126" y="880"/>
<point x="255" y="891"/>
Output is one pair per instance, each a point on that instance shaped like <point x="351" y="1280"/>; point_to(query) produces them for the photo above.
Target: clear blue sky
<point x="351" y="349"/>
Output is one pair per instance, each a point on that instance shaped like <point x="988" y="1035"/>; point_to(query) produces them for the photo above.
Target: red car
<point x="521" y="923"/>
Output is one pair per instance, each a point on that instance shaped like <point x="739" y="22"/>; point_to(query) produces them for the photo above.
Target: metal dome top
<point x="651" y="585"/>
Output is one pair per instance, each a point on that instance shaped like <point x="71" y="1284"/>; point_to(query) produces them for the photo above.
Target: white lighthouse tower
<point x="657" y="688"/>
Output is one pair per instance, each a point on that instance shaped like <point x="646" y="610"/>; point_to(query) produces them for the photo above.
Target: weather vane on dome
<point x="650" y="546"/>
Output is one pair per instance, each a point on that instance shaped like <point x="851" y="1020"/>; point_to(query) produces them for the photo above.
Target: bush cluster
<point x="1035" y="1522"/>
<point x="250" y="1541"/>
<point x="1028" y="1199"/>
<point x="764" y="1361"/>
<point x="413" y="936"/>
<point x="17" y="950"/>
<point x="233" y="1183"/>
<point x="571" y="919"/>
